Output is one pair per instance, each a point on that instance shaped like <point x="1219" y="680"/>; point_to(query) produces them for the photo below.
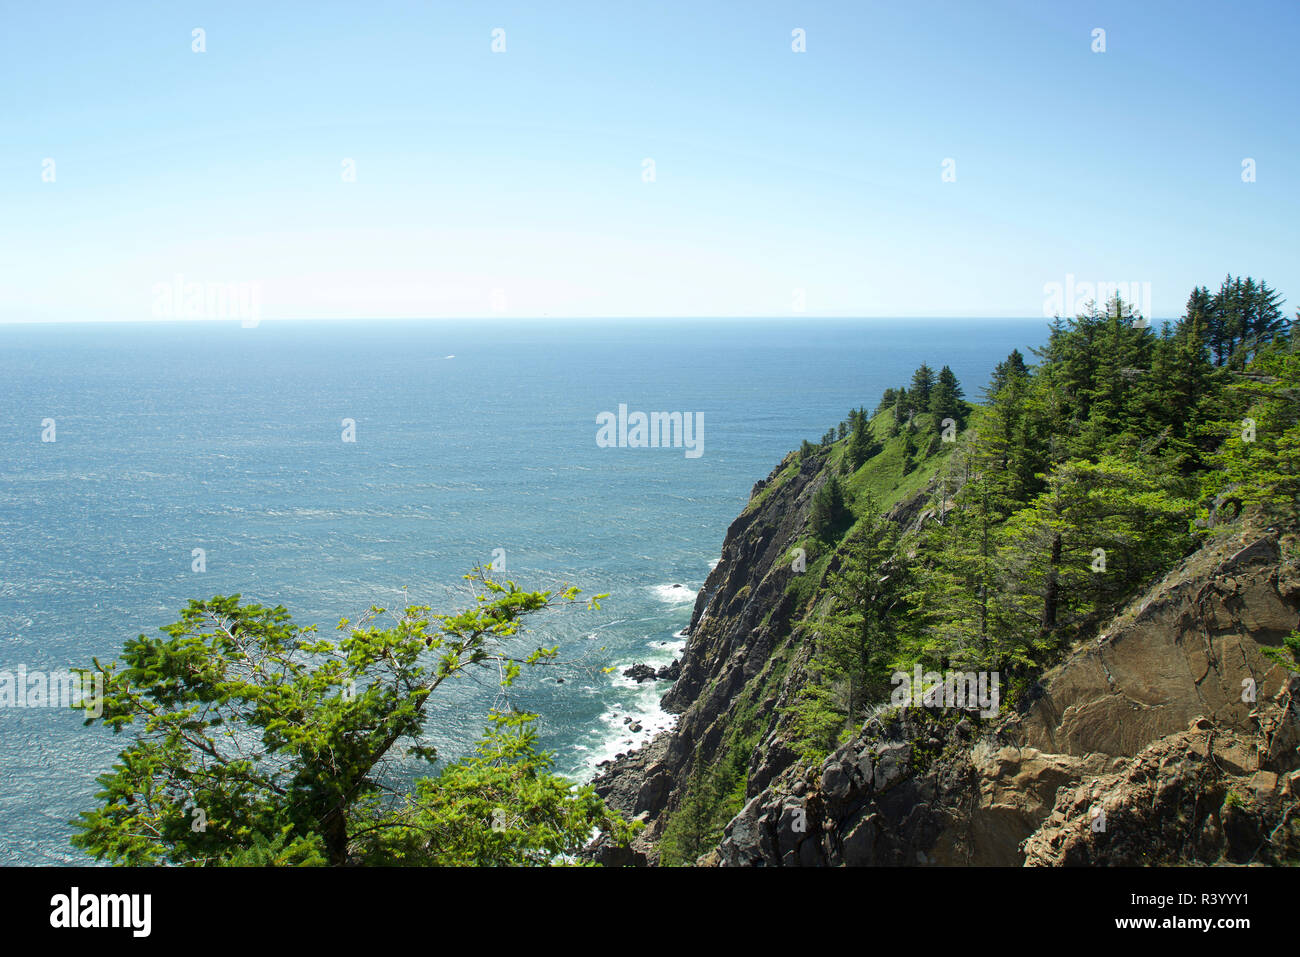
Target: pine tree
<point x="922" y="386"/>
<point x="1095" y="534"/>
<point x="946" y="399"/>
<point x="1122" y="355"/>
<point x="857" y="637"/>
<point x="1012" y="365"/>
<point x="909" y="448"/>
<point x="902" y="410"/>
<point x="861" y="446"/>
<point x="829" y="512"/>
<point x="692" y="826"/>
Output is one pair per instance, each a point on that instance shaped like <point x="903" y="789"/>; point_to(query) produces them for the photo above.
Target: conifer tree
<point x="857" y="636"/>
<point x="861" y="447"/>
<point x="946" y="399"/>
<point x="829" y="512"/>
<point x="922" y="386"/>
<point x="902" y="410"/>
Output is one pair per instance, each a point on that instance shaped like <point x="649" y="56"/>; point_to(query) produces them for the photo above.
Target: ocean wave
<point x="643" y="713"/>
<point x="676" y="594"/>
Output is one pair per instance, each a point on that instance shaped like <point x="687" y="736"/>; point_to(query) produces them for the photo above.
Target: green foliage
<point x="1239" y="319"/>
<point x="829" y="513"/>
<point x="862" y="446"/>
<point x="1071" y="489"/>
<point x="499" y="807"/>
<point x="1258" y="462"/>
<point x="1072" y="555"/>
<point x="858" y="634"/>
<point x="815" y="723"/>
<point x="883" y="475"/>
<point x="903" y="407"/>
<point x="1068" y="492"/>
<point x="1011" y="367"/>
<point x="712" y="796"/>
<point x="256" y="741"/>
<point x="283" y="850"/>
<point x="1288" y="656"/>
<point x="921" y="387"/>
<point x="946" y="399"/>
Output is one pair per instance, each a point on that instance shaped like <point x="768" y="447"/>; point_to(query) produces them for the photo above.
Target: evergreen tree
<point x="922" y="386"/>
<point x="1122" y="356"/>
<point x="902" y="410"/>
<point x="1242" y="315"/>
<point x="1088" y="541"/>
<point x="1258" y="462"/>
<point x="861" y="447"/>
<point x="1012" y="365"/>
<point x="857" y="637"/>
<point x="912" y="450"/>
<point x="956" y="575"/>
<point x="946" y="399"/>
<point x="829" y="513"/>
<point x="692" y="825"/>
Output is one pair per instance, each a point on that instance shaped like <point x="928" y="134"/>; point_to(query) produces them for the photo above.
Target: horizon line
<point x="542" y="318"/>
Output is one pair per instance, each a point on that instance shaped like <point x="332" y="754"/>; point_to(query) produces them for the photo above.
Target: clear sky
<point x="524" y="171"/>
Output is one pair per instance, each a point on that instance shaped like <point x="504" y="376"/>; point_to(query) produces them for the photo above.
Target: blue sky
<point x="491" y="183"/>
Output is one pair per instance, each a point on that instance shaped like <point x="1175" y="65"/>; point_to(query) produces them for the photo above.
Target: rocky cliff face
<point x="741" y="616"/>
<point x="1171" y="738"/>
<point x="1139" y="749"/>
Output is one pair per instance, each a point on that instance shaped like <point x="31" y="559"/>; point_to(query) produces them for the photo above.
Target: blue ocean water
<point x="470" y="437"/>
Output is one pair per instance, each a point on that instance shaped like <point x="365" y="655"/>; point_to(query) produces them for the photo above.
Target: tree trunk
<point x="335" y="832"/>
<point x="1051" y="594"/>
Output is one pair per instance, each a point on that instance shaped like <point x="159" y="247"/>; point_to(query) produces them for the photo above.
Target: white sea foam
<point x="676" y="594"/>
<point x="630" y="699"/>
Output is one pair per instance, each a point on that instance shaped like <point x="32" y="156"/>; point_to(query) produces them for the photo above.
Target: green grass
<point x="882" y="475"/>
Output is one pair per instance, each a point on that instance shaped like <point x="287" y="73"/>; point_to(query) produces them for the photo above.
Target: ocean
<point x="473" y="441"/>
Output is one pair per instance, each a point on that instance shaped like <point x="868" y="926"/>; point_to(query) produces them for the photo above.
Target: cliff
<point x="1171" y="738"/>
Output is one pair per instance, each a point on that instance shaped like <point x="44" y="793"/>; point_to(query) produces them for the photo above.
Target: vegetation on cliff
<point x="1080" y="480"/>
<point x="1074" y="486"/>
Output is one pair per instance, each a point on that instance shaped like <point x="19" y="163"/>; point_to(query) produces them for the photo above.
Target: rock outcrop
<point x="1173" y="727"/>
<point x="741" y="614"/>
<point x="1173" y="739"/>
